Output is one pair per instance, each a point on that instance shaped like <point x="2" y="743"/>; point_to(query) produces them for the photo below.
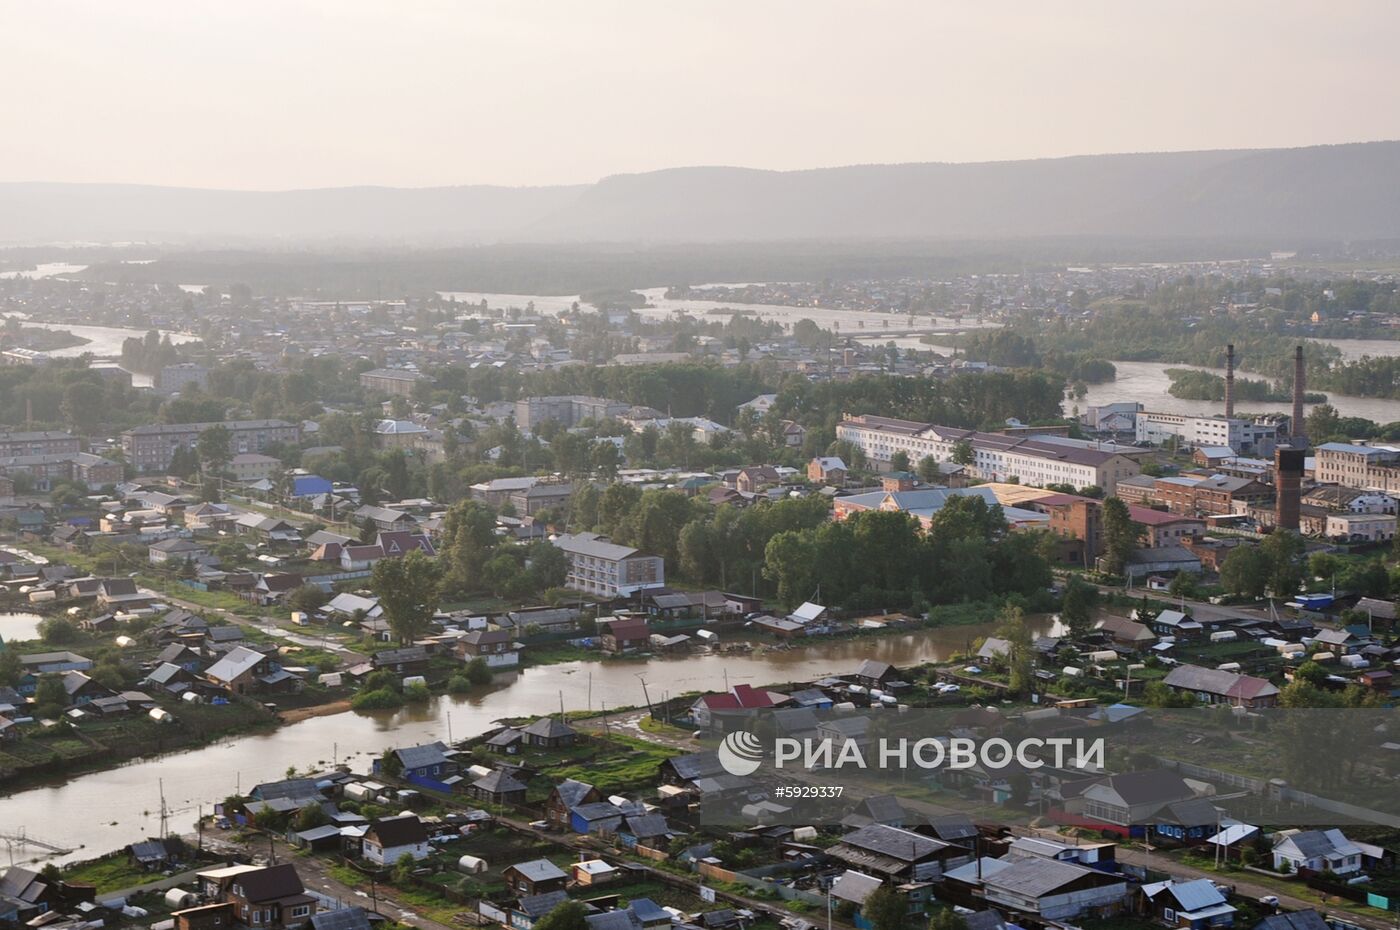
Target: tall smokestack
<point x="1288" y="487"/>
<point x="1298" y="428"/>
<point x="1230" y="380"/>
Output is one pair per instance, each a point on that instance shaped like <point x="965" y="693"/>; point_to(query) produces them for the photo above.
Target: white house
<point x="389" y="840"/>
<point x="1320" y="850"/>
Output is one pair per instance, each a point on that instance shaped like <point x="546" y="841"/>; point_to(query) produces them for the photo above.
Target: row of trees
<point x="876" y="558"/>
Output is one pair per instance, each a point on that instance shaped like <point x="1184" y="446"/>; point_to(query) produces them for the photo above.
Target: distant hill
<point x="1320" y="192"/>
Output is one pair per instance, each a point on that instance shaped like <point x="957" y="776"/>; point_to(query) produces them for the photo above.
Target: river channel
<point x="109" y="809"/>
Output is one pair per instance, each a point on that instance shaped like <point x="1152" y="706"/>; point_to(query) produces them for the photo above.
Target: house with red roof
<point x="709" y="711"/>
<point x="625" y="635"/>
<point x="1162" y="529"/>
<point x="1218" y="686"/>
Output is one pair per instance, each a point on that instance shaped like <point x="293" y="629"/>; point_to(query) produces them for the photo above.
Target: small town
<point x="740" y="466"/>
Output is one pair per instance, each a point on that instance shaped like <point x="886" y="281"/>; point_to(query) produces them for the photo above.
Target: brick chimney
<point x="1288" y="487"/>
<point x="1230" y="380"/>
<point x="1298" y="428"/>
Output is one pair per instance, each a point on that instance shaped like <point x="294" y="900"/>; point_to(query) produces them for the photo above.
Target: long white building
<point x="1036" y="460"/>
<point x="1246" y="437"/>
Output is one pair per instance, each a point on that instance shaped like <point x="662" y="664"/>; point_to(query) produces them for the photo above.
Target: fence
<point x="1320" y="882"/>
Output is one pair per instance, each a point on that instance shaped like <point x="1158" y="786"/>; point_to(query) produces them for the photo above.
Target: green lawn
<point x="621" y="764"/>
<point x="110" y="873"/>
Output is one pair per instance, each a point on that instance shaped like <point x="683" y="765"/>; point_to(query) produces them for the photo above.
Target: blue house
<point x="1193" y="905"/>
<point x="1188" y="823"/>
<point x="425" y="765"/>
<point x="310" y="486"/>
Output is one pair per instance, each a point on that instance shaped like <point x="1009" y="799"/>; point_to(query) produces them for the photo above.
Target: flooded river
<point x="107" y="810"/>
<point x="18" y="626"/>
<point x="659" y="306"/>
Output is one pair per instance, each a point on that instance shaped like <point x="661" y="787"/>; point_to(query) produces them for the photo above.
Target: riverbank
<point x="41" y="339"/>
<point x="66" y="750"/>
<point x="298" y="714"/>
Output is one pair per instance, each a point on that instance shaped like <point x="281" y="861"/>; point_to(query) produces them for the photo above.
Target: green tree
<point x="469" y="539"/>
<point x="788" y="562"/>
<point x="478" y="672"/>
<point x="1020" y="663"/>
<point x="11" y="669"/>
<point x="82" y="405"/>
<point x="567" y="916"/>
<point x="310" y="817"/>
<point x="1077" y="606"/>
<point x="408" y="589"/>
<point x="403" y="870"/>
<point x="1120" y="535"/>
<point x="1282" y="548"/>
<point x="50" y="697"/>
<point x="390" y="764"/>
<point x="1323" y="424"/>
<point x="215" y="448"/>
<point x="963" y="453"/>
<point x="928" y="470"/>
<point x="1312" y="673"/>
<point x="307" y="599"/>
<point x="549" y="566"/>
<point x="949" y="919"/>
<point x="606" y="459"/>
<point x="1183" y="585"/>
<point x="886" y="909"/>
<point x="1245" y="571"/>
<point x="58" y="630"/>
<point x="899" y="461"/>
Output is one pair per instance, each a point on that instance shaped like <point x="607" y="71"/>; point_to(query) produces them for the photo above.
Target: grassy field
<point x="614" y="764"/>
<point x="109" y="873"/>
<point x="95" y="744"/>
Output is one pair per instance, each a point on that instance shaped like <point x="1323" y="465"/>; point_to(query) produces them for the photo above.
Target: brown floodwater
<point x="109" y="809"/>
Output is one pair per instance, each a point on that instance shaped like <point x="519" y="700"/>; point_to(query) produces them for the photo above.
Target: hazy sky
<point x="318" y="93"/>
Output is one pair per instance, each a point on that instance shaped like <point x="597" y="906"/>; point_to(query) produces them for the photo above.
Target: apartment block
<point x="151" y="448"/>
<point x="568" y="410"/>
<point x="392" y="381"/>
<point x="48" y="442"/>
<point x="603" y="568"/>
<point x="1357" y="466"/>
<point x="1035" y="460"/>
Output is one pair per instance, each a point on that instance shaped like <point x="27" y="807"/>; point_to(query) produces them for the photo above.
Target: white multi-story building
<point x="600" y="567"/>
<point x="995" y="456"/>
<point x="1245" y="437"/>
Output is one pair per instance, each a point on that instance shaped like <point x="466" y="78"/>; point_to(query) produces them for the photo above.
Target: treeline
<point x="150" y="354"/>
<point x="1194" y="384"/>
<point x="67" y="392"/>
<point x="1006" y="348"/>
<point x="879" y="559"/>
<point x="788" y="548"/>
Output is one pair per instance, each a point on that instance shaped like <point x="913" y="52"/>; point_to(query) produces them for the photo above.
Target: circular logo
<point x="740" y="753"/>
